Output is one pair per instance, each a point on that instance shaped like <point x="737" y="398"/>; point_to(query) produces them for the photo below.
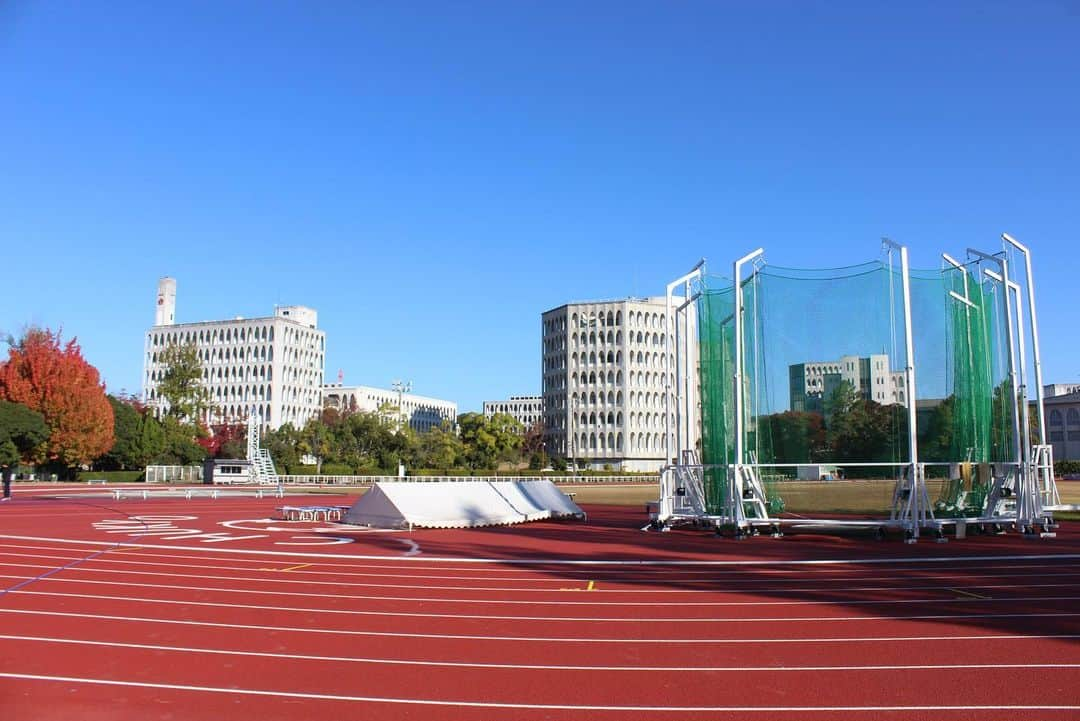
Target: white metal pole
<point x="669" y="324"/>
<point x="915" y="505"/>
<point x="1039" y="396"/>
<point x="739" y="421"/>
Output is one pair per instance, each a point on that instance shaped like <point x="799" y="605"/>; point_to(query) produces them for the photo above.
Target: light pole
<point x="402" y="387"/>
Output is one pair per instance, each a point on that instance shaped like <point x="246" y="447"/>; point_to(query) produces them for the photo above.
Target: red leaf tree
<point x="55" y="380"/>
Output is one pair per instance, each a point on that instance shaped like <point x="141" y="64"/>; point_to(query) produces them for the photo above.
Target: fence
<point x="306" y="480"/>
<point x="174" y="474"/>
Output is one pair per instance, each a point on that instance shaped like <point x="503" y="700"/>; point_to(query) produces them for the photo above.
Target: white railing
<point x="324" y="480"/>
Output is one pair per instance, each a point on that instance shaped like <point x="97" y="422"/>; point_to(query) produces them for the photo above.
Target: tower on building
<point x="165" y="312"/>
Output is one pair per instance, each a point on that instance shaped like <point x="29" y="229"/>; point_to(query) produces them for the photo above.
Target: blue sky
<point x="432" y="176"/>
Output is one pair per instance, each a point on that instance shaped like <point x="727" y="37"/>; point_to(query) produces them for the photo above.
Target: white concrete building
<point x="1052" y="390"/>
<point x="422" y="413"/>
<point x="603" y="377"/>
<point x="526" y="410"/>
<point x="272" y="365"/>
<point x="812" y="382"/>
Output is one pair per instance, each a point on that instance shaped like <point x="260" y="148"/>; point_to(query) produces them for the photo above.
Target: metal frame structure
<point x="1022" y="492"/>
<point x="262" y="465"/>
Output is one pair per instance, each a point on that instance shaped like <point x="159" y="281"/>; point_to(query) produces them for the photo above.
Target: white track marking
<point x="381" y="563"/>
<point x="649" y="577"/>
<point x="562" y="619"/>
<point x="578" y="561"/>
<point x="535" y="667"/>
<point x="56" y="578"/>
<point x="496" y="705"/>
<point x="314" y="541"/>
<point x="414" y="547"/>
<point x="541" y="639"/>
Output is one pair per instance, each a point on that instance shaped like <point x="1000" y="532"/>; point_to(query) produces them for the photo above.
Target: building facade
<point x="421" y="413"/>
<point x="812" y="382"/>
<point x="604" y="377"/>
<point x="526" y="410"/>
<point x="1060" y="389"/>
<point x="1063" y="425"/>
<point x="272" y="366"/>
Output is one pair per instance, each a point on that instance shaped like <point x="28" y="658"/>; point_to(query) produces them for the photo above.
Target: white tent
<point x="459" y="504"/>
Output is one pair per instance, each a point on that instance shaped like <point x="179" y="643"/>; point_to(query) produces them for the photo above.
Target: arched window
<point x="618" y="442"/>
<point x="1072" y="417"/>
<point x="1055" y="417"/>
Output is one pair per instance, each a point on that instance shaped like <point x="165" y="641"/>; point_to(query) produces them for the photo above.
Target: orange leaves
<point x="53" y="378"/>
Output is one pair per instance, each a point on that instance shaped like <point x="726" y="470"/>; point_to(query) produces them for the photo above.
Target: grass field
<point x="801" y="497"/>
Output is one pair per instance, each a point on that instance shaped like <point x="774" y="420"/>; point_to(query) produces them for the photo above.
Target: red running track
<point x="202" y="609"/>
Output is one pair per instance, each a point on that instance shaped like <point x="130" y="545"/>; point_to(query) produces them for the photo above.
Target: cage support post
<point x="667" y="479"/>
<point x="916" y="507"/>
<point x="735" y="474"/>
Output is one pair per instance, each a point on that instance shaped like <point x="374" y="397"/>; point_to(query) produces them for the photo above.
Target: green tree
<point x="797" y="437"/>
<point x="22" y="434"/>
<point x="126" y="437"/>
<point x="181" y="383"/>
<point x="867" y="432"/>
<point x="179" y="443"/>
<point x="440" y="448"/>
<point x="283" y="444"/>
<point x="489" y="440"/>
<point x="935" y="434"/>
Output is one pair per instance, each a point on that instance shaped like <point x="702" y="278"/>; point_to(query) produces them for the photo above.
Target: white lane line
<point x="971" y="598"/>
<point x="536" y="667"/>
<point x="722" y="587"/>
<point x="541" y="639"/>
<point x="581" y="561"/>
<point x="562" y="619"/>
<point x="659" y="574"/>
<point x="656" y="577"/>
<point x="508" y="705"/>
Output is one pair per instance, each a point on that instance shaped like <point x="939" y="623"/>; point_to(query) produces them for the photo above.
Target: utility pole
<point x="402" y="387"/>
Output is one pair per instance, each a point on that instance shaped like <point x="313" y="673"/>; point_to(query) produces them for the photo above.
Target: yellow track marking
<point x="592" y="584"/>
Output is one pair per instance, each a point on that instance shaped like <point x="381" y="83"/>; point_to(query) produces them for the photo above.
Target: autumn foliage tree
<point x="52" y="378"/>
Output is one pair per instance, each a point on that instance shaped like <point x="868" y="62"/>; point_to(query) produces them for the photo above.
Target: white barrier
<point x="307" y="480"/>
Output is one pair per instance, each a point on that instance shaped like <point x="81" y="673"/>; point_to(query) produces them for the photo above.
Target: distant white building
<point x="604" y="377"/>
<point x="272" y="365"/>
<point x="526" y="410"/>
<point x="422" y="413"/>
<point x="812" y="382"/>
<point x="1053" y="390"/>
